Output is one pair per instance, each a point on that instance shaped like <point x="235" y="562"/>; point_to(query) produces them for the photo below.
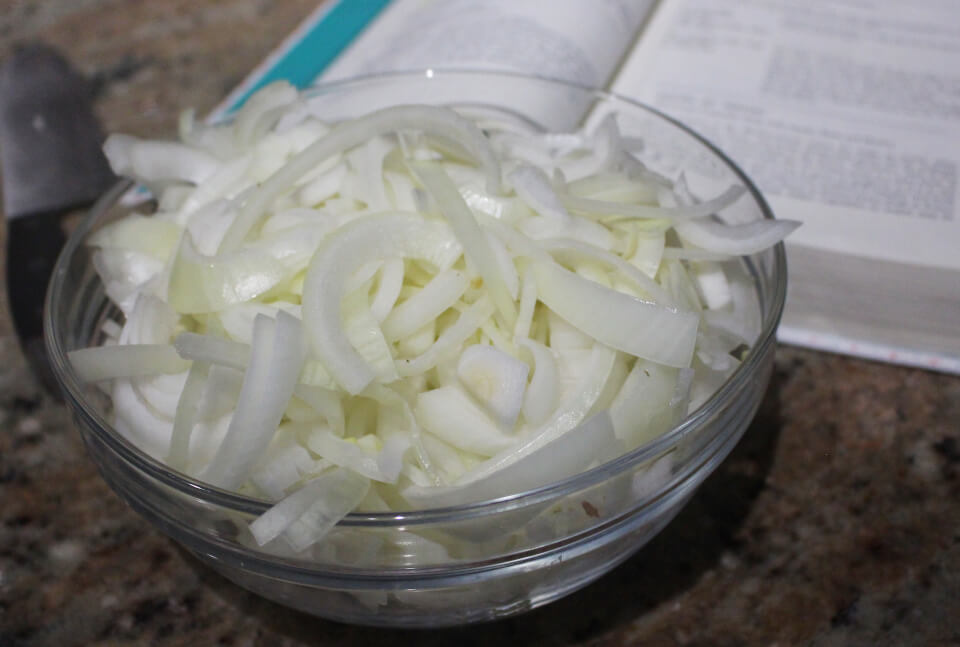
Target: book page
<point x="581" y="41"/>
<point x="846" y="113"/>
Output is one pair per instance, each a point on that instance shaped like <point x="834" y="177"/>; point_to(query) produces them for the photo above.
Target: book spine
<point x="308" y="50"/>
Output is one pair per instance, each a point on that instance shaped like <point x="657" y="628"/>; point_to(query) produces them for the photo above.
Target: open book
<point x="846" y="115"/>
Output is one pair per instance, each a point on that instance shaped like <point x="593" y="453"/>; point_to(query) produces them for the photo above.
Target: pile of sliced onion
<point x="413" y="309"/>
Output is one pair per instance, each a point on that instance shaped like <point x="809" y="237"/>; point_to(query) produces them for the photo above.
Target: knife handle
<point x="33" y="244"/>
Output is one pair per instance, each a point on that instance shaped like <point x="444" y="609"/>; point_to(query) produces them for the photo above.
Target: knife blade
<point x="52" y="164"/>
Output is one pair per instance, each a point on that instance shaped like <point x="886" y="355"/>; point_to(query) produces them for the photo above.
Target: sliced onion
<point x="592" y="442"/>
<point x="223" y="184"/>
<point x="601" y="208"/>
<point x="543" y="392"/>
<point x="311" y="512"/>
<point x="436" y="297"/>
<point x="567" y="416"/>
<point x="237" y="320"/>
<point x="451" y="339"/>
<point x="618" y="320"/>
<point x="349" y="455"/>
<point x="476" y="247"/>
<point x="186" y="415"/>
<point x="150" y="321"/>
<point x="212" y="349"/>
<point x="325" y="402"/>
<point x="259" y="113"/>
<point x="451" y="415"/>
<point x="528" y="303"/>
<point x="137" y="421"/>
<point x="737" y="240"/>
<point x="379" y="236"/>
<point x="600" y="147"/>
<point x="693" y="254"/>
<point x="154" y="237"/>
<point x="286" y="463"/>
<point x="200" y="284"/>
<point x="125" y="361"/>
<point x="535" y="188"/>
<point x="276" y="357"/>
<point x="156" y="161"/>
<point x="496" y="379"/>
<point x="712" y="285"/>
<point x="644" y="407"/>
<point x="365" y="336"/>
<point x="440" y="121"/>
<point x="420" y="327"/>
<point x="388" y="290"/>
<point x="127" y="274"/>
<point x="560" y="247"/>
<point x="650" y="250"/>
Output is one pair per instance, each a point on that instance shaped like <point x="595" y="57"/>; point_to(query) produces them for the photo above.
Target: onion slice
<point x="212" y="349"/>
<point x="637" y="327"/>
<point x="276" y="356"/>
<point x="543" y="391"/>
<point x="737" y="240"/>
<point x="158" y="161"/>
<point x="592" y="442"/>
<point x="451" y="339"/>
<point x="566" y="246"/>
<point x="601" y="208"/>
<point x="476" y="247"/>
<point x="433" y="120"/>
<point x="425" y="306"/>
<point x="186" y="415"/>
<point x="567" y="416"/>
<point x="496" y="379"/>
<point x="308" y="514"/>
<point x="378" y="236"/>
<point x="124" y="361"/>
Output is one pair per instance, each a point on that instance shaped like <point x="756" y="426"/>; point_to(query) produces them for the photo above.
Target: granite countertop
<point x="835" y="522"/>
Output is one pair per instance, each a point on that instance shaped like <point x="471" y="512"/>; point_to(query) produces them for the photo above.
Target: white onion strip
<point x="388" y="290"/>
<point x="308" y="514"/>
<point x="534" y="187"/>
<point x="567" y="416"/>
<point x="365" y="239"/>
<point x="347" y="454"/>
<point x="325" y="402"/>
<point x="451" y="339"/>
<point x="592" y="442"/>
<point x="567" y="246"/>
<point x="186" y="415"/>
<point x="434" y="120"/>
<point x="616" y="319"/>
<point x="426" y="305"/>
<point x="123" y="361"/>
<point x="528" y="303"/>
<point x="476" y="247"/>
<point x="543" y="391"/>
<point x="737" y="240"/>
<point x="275" y="359"/>
<point x="201" y="284"/>
<point x="498" y="380"/>
<point x="601" y="208"/>
<point x="693" y="254"/>
<point x="212" y="349"/>
<point x="158" y="161"/>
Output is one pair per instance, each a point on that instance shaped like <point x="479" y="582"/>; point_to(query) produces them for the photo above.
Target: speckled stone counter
<point x="836" y="521"/>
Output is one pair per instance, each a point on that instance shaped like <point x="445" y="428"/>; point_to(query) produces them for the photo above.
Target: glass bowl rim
<point x="156" y="469"/>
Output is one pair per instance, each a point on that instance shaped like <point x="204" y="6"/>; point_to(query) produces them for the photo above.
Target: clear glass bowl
<point x="509" y="555"/>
